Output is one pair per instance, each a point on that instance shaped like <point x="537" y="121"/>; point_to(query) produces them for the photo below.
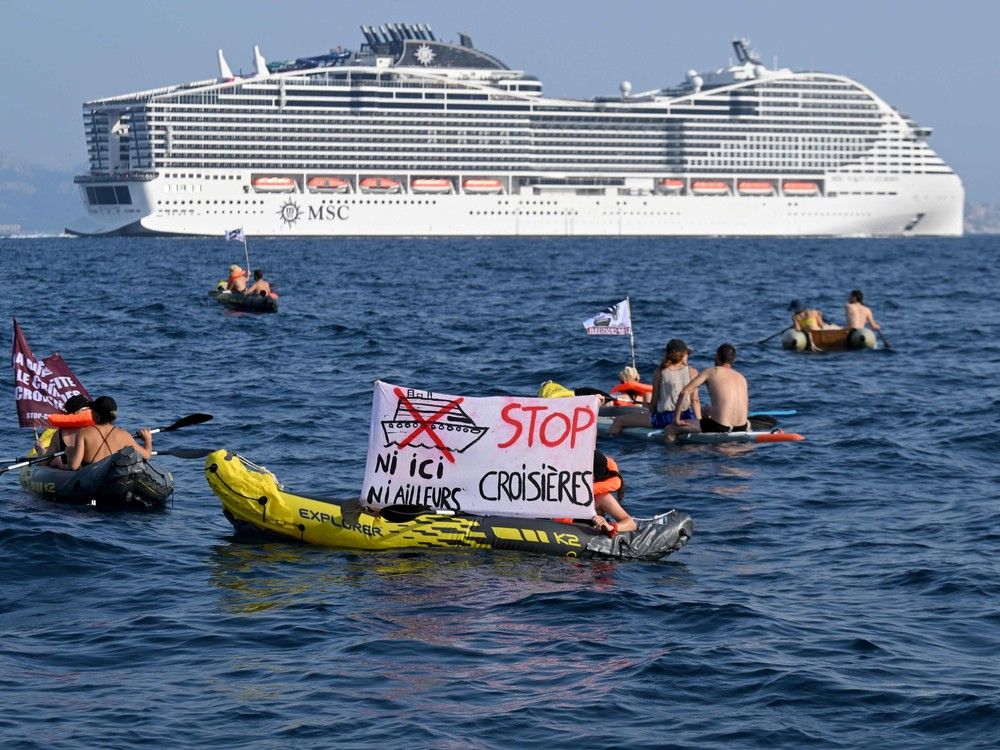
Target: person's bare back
<point x="103" y="438"/>
<point x="857" y="313"/>
<point x="727" y="389"/>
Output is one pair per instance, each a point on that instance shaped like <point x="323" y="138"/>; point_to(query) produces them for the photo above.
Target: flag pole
<point x="631" y="338"/>
<point x="245" y="251"/>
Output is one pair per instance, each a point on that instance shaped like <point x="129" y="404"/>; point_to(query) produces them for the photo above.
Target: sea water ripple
<point x="838" y="593"/>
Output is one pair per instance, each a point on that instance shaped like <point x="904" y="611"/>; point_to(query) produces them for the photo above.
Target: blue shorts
<point x="660" y="419"/>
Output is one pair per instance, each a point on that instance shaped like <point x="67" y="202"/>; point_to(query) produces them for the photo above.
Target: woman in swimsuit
<point x="100" y="441"/>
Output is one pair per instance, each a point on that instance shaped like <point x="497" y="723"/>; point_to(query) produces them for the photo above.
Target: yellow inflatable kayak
<point x="256" y="504"/>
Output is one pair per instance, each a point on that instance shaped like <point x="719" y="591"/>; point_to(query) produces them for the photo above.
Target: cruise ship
<point x="415" y="136"/>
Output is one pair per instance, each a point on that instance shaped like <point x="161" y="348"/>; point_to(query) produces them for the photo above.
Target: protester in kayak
<point x="64" y="438"/>
<point x="100" y="441"/>
<point x="260" y="284"/>
<point x="727" y="389"/>
<point x="806" y="318"/>
<point x="609" y="490"/>
<point x="631" y="389"/>
<point x="237" y="279"/>
<point x="858" y="315"/>
<point x="670" y="377"/>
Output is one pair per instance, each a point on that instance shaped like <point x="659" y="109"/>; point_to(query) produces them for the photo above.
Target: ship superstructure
<point x="412" y="135"/>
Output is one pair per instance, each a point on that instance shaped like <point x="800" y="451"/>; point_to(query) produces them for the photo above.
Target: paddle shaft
<point x="30" y="462"/>
<point x="764" y="341"/>
<point x="885" y="341"/>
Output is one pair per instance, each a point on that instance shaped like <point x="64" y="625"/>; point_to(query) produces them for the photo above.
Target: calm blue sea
<point x="838" y="593"/>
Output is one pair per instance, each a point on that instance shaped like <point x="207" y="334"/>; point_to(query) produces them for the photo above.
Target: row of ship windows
<point x="352" y="113"/>
<point x="523" y="129"/>
<point x="796" y="123"/>
<point x="517" y="135"/>
<point x="501" y="139"/>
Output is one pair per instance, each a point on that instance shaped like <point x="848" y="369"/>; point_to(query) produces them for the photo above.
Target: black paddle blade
<point x="187" y="421"/>
<point x="763" y="423"/>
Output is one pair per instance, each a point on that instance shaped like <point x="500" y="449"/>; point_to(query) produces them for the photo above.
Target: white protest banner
<point x="504" y="456"/>
<point x="614" y="321"/>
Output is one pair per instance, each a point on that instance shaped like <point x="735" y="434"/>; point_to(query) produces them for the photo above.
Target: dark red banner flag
<point x="41" y="386"/>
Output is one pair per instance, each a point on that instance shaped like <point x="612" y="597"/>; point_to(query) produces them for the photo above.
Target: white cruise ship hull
<point x="901" y="206"/>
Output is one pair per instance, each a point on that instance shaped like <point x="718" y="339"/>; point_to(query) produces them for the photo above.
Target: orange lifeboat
<point x="328" y="185"/>
<point x="755" y="187"/>
<point x="482" y="185"/>
<point x="273" y="184"/>
<point x="790" y="187"/>
<point x="380" y="185"/>
<point x="431" y="185"/>
<point x="710" y="187"/>
<point x="670" y="185"/>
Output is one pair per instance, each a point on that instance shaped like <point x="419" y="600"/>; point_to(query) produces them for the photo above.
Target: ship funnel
<point x="224" y="72"/>
<point x="259" y="63"/>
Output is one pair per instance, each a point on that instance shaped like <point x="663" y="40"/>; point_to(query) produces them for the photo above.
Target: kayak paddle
<point x="190" y="419"/>
<point x="885" y="341"/>
<point x="773" y="413"/>
<point x="764" y="341"/>
<point x="30" y="462"/>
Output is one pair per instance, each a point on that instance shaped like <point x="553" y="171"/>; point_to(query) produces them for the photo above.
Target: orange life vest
<point x="612" y="484"/>
<point x="639" y="389"/>
<point x="82" y="418"/>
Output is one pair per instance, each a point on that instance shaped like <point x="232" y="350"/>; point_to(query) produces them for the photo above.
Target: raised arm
<point x="146" y="450"/>
<point x="695" y="397"/>
<point x="689" y="390"/>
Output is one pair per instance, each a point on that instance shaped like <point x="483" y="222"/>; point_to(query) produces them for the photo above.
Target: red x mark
<point x="425" y="424"/>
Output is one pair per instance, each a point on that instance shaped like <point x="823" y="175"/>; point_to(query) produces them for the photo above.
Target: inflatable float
<point x="259" y="303"/>
<point x="829" y="339"/>
<point x="257" y="505"/>
<point x="123" y="481"/>
<point x="654" y="435"/>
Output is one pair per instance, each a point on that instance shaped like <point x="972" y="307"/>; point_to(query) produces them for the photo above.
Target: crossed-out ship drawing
<point x="424" y="421"/>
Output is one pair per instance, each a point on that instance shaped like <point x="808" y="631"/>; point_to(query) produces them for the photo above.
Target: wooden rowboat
<point x="830" y="339"/>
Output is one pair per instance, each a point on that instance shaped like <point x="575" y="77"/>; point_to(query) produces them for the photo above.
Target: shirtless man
<point x="260" y="285"/>
<point x="100" y="441"/>
<point x="237" y="279"/>
<point x="727" y="389"/>
<point x="858" y="315"/>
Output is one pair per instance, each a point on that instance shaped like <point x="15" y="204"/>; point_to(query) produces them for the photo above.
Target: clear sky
<point x="937" y="61"/>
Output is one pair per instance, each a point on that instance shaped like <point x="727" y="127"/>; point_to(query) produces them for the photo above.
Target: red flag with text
<point x="41" y="386"/>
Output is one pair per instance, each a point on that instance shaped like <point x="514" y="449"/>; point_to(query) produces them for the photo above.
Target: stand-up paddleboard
<point x="659" y="436"/>
<point x="614" y="411"/>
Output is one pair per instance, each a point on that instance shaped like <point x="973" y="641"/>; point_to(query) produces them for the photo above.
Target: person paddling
<point x="103" y="439"/>
<point x="260" y="284"/>
<point x="858" y="315"/>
